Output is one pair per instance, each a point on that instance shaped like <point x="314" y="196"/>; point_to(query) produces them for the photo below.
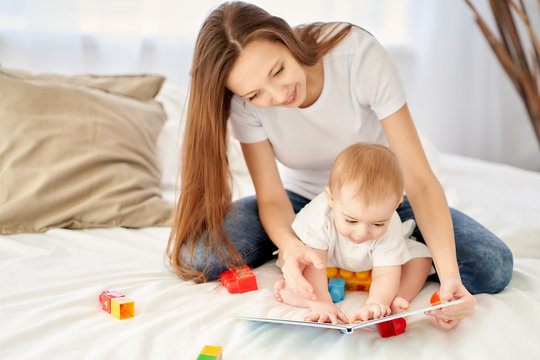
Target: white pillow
<point x="174" y="99"/>
<point x="169" y="145"/>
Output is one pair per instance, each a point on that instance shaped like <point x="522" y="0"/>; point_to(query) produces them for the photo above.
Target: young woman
<point x="298" y="97"/>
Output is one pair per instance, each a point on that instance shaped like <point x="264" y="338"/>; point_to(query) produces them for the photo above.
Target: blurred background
<point x="459" y="95"/>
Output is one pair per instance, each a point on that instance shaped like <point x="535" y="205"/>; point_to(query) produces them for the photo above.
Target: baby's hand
<point x="371" y="311"/>
<point x="326" y="312"/>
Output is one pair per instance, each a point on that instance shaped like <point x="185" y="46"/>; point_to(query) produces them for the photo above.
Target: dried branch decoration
<point x="522" y="68"/>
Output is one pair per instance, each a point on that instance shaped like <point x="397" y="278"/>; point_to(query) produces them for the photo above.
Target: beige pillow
<point x="79" y="152"/>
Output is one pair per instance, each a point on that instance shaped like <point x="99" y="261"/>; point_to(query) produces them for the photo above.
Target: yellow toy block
<point x="354" y="281"/>
<point x="211" y="353"/>
<point x="122" y="308"/>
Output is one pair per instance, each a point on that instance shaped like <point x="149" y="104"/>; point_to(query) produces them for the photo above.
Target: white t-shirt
<point x="361" y="86"/>
<point x="314" y="225"/>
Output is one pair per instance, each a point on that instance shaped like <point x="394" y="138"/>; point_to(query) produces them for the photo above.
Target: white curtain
<point x="459" y="96"/>
<point x="111" y="36"/>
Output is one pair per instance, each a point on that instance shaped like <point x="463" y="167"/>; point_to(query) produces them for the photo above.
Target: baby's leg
<point x="285" y="295"/>
<point x="413" y="276"/>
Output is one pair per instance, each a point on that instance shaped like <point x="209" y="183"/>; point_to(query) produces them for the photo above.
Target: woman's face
<point x="268" y="75"/>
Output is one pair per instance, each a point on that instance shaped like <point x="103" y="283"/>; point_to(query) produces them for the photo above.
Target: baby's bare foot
<point x="278" y="287"/>
<point x="399" y="305"/>
<point x="285" y="295"/>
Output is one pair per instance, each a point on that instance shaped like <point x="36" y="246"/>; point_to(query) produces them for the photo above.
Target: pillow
<point x="169" y="143"/>
<point x="174" y="100"/>
<point x="79" y="152"/>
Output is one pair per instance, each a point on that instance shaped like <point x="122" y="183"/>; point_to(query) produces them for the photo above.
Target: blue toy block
<point x="336" y="287"/>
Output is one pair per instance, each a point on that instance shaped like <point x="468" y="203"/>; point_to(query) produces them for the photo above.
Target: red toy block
<point x="435" y="298"/>
<point x="239" y="279"/>
<point x="397" y="326"/>
<point x="392" y="327"/>
<point x="117" y="304"/>
<point x="105" y="299"/>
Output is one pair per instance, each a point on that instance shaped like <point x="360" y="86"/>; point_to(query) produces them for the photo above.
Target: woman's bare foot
<point x="399" y="305"/>
<point x="285" y="295"/>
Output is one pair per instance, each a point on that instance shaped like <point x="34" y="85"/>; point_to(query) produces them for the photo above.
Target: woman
<point x="301" y="96"/>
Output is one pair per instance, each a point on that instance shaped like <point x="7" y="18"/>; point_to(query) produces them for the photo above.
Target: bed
<point x="50" y="282"/>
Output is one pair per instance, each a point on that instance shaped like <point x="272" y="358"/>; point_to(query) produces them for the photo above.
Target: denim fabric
<point x="244" y="230"/>
<point x="485" y="262"/>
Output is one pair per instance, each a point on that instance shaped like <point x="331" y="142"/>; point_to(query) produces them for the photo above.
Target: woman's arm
<point x="277" y="215"/>
<point x="431" y="211"/>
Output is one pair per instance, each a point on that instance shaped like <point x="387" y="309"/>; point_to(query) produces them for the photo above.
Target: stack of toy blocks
<point x="211" y="353"/>
<point x="354" y="281"/>
<point x="117" y="304"/>
<point x="239" y="279"/>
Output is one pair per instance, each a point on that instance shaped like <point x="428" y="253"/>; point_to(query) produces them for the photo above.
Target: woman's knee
<point x="485" y="261"/>
<point x="210" y="264"/>
<point x="488" y="269"/>
<point x="244" y="232"/>
<point x="496" y="274"/>
<point x="504" y="272"/>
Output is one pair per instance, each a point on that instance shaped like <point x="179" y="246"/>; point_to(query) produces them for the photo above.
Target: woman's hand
<point x="293" y="260"/>
<point x="448" y="317"/>
<point x="326" y="312"/>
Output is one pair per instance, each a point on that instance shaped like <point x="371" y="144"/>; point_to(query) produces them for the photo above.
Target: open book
<point x="348" y="328"/>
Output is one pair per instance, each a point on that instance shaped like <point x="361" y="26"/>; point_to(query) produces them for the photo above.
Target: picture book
<point x="347" y="328"/>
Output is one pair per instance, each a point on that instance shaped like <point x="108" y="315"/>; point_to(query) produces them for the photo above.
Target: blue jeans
<point x="485" y="262"/>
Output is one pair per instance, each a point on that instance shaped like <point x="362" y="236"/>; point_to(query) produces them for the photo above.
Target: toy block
<point x="239" y="279"/>
<point x="122" y="308"/>
<point x="211" y="353"/>
<point x="435" y="299"/>
<point x="336" y="288"/>
<point x="392" y="328"/>
<point x="354" y="281"/>
<point x="117" y="304"/>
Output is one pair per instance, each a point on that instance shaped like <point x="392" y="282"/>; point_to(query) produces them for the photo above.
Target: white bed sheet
<point x="50" y="283"/>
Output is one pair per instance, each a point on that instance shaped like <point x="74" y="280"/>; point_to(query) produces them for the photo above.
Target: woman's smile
<point x="291" y="98"/>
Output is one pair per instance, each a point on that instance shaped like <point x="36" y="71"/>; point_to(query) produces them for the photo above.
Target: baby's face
<point x="358" y="221"/>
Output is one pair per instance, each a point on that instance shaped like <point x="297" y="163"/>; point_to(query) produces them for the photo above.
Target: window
<point x="386" y="19"/>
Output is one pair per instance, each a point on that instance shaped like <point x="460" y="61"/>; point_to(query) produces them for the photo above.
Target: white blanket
<point x="50" y="283"/>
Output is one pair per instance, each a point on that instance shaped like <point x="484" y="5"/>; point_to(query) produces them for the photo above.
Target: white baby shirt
<point x="361" y="86"/>
<point x="314" y="225"/>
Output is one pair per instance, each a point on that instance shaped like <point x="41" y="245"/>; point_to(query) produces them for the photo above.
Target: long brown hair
<point x="205" y="194"/>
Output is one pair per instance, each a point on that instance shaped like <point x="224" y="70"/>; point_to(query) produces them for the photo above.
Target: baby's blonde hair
<point x="373" y="170"/>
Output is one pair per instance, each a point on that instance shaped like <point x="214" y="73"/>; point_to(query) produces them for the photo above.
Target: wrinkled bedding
<point x="50" y="284"/>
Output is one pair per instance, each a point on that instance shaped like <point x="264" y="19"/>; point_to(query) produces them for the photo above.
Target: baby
<point x="354" y="225"/>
